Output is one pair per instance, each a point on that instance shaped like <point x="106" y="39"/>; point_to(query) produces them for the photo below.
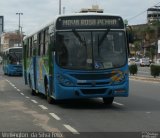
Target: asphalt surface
<point x="135" y="116"/>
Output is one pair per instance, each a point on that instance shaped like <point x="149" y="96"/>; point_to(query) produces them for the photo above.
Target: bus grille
<point x="92" y="76"/>
<point x="93" y="84"/>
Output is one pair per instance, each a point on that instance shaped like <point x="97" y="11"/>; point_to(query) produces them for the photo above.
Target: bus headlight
<point x="64" y="80"/>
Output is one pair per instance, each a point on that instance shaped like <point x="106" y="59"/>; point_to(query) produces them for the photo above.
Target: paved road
<point x="83" y="118"/>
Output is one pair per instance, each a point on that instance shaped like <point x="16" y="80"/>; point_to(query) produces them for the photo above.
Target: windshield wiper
<point x="17" y="59"/>
<point x="103" y="37"/>
<point x="79" y="37"/>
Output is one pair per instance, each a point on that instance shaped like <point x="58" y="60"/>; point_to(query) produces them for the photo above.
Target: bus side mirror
<point x="54" y="45"/>
<point x="130" y="37"/>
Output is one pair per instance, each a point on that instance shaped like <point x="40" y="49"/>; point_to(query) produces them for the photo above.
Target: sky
<point x="37" y="13"/>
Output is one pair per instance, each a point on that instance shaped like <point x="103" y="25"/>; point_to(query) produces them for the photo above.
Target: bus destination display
<point x="90" y="23"/>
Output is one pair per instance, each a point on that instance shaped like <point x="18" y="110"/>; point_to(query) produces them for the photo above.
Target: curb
<point x="144" y="78"/>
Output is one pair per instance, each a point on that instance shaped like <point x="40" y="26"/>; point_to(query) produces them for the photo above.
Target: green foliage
<point x="155" y="70"/>
<point x="149" y="29"/>
<point x="147" y="54"/>
<point x="133" y="69"/>
<point x="137" y="45"/>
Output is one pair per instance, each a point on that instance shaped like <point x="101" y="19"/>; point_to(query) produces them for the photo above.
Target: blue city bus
<point x="12" y="61"/>
<point x="78" y="56"/>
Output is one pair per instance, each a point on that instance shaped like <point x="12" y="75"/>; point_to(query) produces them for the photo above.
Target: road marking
<point x="34" y="101"/>
<point x="118" y="103"/>
<point x="43" y="107"/>
<point x="13" y="85"/>
<point x="71" y="129"/>
<point x="148" y="112"/>
<point x="7" y="80"/>
<point x="54" y="116"/>
<point x="27" y="97"/>
<point x="18" y="90"/>
<point x="22" y="93"/>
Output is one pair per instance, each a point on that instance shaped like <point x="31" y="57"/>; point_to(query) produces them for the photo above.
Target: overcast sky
<point x="37" y="13"/>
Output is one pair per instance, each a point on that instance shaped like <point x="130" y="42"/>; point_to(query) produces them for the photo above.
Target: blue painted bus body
<point x="34" y="78"/>
<point x="104" y="49"/>
<point x="12" y="69"/>
<point x="12" y="61"/>
<point x="73" y="84"/>
<point x="70" y="84"/>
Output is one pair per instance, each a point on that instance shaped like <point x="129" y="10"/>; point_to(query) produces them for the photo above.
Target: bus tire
<point x="108" y="100"/>
<point x="49" y="99"/>
<point x="33" y="92"/>
<point x="30" y="82"/>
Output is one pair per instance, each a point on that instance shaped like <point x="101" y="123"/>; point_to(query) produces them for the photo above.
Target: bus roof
<point x="88" y="13"/>
<point x="12" y="48"/>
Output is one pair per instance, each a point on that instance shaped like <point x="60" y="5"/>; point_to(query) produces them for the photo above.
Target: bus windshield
<point x="91" y="50"/>
<point x="15" y="56"/>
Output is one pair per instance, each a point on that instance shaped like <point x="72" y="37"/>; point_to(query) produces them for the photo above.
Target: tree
<point x="137" y="46"/>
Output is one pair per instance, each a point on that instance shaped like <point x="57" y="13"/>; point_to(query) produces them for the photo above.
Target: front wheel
<point x="30" y="85"/>
<point x="34" y="93"/>
<point x="49" y="99"/>
<point x="108" y="100"/>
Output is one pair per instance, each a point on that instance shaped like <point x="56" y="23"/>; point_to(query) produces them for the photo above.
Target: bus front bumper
<point x="63" y="92"/>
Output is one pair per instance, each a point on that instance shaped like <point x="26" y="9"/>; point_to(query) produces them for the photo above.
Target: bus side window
<point x="46" y="42"/>
<point x="39" y="44"/>
<point x="31" y="45"/>
<point x="34" y="48"/>
<point x="27" y="48"/>
<point x="42" y="44"/>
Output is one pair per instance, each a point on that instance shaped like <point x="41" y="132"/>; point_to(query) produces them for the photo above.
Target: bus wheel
<point x="108" y="101"/>
<point x="49" y="99"/>
<point x="30" y="82"/>
<point x="34" y="92"/>
<point x="30" y="85"/>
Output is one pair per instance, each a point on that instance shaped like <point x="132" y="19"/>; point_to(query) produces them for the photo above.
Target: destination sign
<point x="15" y="50"/>
<point x="90" y="22"/>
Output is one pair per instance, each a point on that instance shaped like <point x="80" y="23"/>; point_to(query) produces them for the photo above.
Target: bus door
<point x="34" y="59"/>
<point x="25" y="62"/>
<point x="51" y="65"/>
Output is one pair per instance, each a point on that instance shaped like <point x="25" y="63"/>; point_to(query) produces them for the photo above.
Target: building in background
<point x="153" y="14"/>
<point x="95" y="8"/>
<point x="147" y="35"/>
<point x="10" y="39"/>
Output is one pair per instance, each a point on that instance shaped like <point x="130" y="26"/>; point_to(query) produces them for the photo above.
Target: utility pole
<point x="59" y="7"/>
<point x="64" y="10"/>
<point x="19" y="27"/>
